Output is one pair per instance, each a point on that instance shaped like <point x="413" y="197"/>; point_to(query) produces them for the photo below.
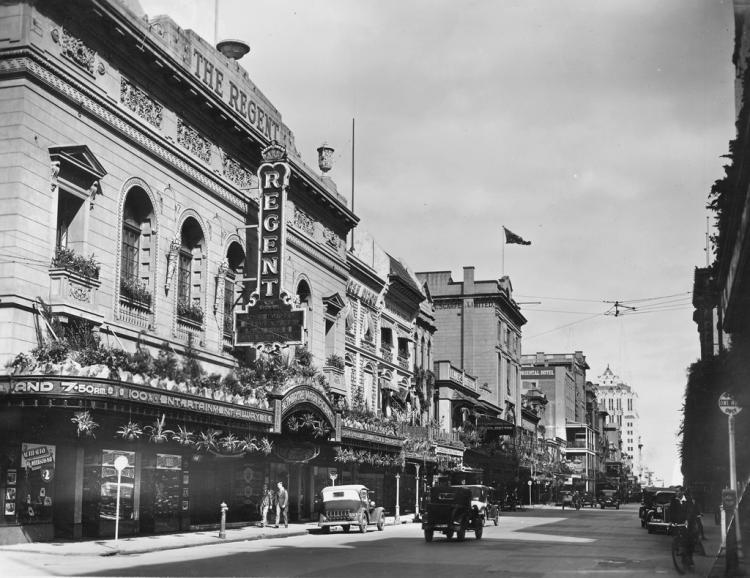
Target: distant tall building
<point x="621" y="404"/>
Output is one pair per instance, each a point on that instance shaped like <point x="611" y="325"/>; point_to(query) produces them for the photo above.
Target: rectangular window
<point x="619" y="404"/>
<point x="183" y="279"/>
<point x="630" y="405"/>
<point x="130" y="238"/>
<point x="611" y="404"/>
<point x="229" y="305"/>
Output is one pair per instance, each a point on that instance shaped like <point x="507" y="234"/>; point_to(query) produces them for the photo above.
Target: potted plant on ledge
<point x="74" y="277"/>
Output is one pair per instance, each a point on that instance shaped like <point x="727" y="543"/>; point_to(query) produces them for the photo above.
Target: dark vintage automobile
<point x="647" y="502"/>
<point x="609" y="499"/>
<point x="450" y="511"/>
<point x="587" y="499"/>
<point x="347" y="506"/>
<point x="658" y="516"/>
<point x="487" y="506"/>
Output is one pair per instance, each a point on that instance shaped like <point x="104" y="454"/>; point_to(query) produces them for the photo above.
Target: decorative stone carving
<point x="233" y="171"/>
<point x="303" y="221"/>
<point x="77" y="51"/>
<point x="43" y="71"/>
<point x="174" y="250"/>
<point x="54" y="172"/>
<point x="141" y="103"/>
<point x="331" y="238"/>
<point x="193" y="142"/>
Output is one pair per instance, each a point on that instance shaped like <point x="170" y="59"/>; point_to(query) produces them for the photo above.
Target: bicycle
<point x="684" y="544"/>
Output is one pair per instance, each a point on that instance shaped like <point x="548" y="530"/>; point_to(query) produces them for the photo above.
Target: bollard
<point x="223" y="530"/>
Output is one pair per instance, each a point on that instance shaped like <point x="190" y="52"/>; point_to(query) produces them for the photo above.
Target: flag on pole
<point x="512" y="239"/>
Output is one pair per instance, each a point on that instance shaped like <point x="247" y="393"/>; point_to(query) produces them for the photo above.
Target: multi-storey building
<point x="477" y="349"/>
<point x="562" y="379"/>
<point x="151" y="276"/>
<point x="479" y="331"/>
<point x="621" y="403"/>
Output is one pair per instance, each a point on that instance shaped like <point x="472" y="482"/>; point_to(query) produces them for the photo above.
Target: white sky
<point x="593" y="129"/>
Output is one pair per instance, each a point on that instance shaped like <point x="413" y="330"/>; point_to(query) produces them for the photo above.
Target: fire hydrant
<point x="223" y="530"/>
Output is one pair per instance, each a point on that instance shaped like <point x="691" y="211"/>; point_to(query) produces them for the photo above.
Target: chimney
<point x="468" y="280"/>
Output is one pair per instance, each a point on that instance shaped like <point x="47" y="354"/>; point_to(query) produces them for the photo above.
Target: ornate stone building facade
<point x="132" y="197"/>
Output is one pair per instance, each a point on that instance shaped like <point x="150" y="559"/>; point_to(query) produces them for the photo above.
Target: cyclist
<point x="683" y="511"/>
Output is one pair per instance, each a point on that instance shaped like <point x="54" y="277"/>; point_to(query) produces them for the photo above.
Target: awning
<point x="496" y="424"/>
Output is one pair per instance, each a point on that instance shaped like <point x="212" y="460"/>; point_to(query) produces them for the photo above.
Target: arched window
<point x="368" y="384"/>
<point x="235" y="263"/>
<point x="190" y="273"/>
<point x="136" y="256"/>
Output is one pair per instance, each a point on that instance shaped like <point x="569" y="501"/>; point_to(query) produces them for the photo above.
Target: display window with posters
<point x="100" y="494"/>
<point x="33" y="494"/>
<point x="161" y="493"/>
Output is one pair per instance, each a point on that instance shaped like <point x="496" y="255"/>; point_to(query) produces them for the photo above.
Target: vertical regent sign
<point x="269" y="319"/>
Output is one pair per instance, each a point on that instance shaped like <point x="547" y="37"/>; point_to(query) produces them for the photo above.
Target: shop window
<point x="30" y="491"/>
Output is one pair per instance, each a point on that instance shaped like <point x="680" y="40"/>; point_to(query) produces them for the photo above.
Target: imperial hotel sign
<point x="269" y="320"/>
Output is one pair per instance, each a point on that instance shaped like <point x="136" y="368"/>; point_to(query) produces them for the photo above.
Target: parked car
<point x="647" y="502"/>
<point x="609" y="499"/>
<point x="658" y="516"/>
<point x="450" y="511"/>
<point x="347" y="506"/>
<point x="587" y="499"/>
<point x="483" y="499"/>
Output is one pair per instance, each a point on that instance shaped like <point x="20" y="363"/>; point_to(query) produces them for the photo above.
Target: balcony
<point x="403" y="359"/>
<point x="368" y="345"/>
<point x="70" y="290"/>
<point x="135" y="312"/>
<point x="335" y="377"/>
<point x="186" y="327"/>
<point x="386" y="353"/>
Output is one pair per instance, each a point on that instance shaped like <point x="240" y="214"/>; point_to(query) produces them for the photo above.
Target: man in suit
<point x="282" y="504"/>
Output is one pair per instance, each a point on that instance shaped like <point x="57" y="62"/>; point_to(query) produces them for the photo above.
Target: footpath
<point x="144" y="544"/>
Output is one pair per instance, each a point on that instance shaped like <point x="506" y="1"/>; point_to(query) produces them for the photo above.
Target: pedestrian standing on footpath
<point x="266" y="501"/>
<point x="282" y="503"/>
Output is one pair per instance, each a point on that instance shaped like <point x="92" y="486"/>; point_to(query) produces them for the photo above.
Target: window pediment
<point x="77" y="168"/>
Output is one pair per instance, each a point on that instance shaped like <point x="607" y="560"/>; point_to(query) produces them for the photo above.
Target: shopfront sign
<point x="270" y="320"/>
<point x="307" y="395"/>
<point x="122" y="392"/>
<point x="36" y="456"/>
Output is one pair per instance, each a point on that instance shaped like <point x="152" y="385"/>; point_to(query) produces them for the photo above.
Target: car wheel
<point x="346" y="528"/>
<point x="428" y="535"/>
<point x="381" y="524"/>
<point x="461" y="534"/>
<point x="326" y="529"/>
<point x="363" y="524"/>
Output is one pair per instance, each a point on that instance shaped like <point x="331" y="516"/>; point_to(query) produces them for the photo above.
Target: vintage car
<point x="483" y="499"/>
<point x="347" y="506"/>
<point x="451" y="512"/>
<point x="647" y="502"/>
<point x="608" y="499"/>
<point x="587" y="499"/>
<point x="657" y="517"/>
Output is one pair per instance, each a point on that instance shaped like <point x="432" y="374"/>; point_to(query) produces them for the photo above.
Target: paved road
<point x="541" y="543"/>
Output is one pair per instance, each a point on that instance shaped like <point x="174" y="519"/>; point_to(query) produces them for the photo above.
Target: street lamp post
<point x="121" y="462"/>
<point x="398" y="517"/>
<point x="416" y="492"/>
<point x="731" y="408"/>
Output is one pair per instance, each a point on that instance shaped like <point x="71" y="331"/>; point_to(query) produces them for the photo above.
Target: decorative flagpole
<point x="502" y="262"/>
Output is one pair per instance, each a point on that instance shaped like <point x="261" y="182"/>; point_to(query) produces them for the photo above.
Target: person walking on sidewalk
<point x="266" y="502"/>
<point x="282" y="503"/>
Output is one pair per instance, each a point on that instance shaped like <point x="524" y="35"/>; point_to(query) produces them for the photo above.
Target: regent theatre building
<point x="155" y="201"/>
